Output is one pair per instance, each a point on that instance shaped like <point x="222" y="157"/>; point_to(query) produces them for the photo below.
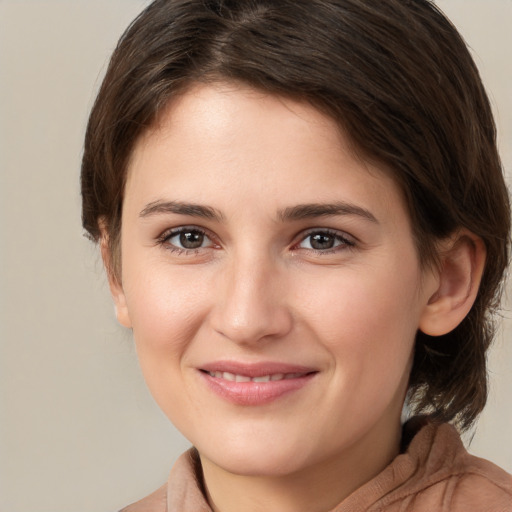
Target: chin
<point x="254" y="458"/>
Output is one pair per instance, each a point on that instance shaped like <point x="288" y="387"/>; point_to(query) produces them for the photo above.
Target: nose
<point x="251" y="304"/>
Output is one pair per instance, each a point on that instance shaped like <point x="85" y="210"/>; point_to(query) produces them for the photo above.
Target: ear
<point x="462" y="262"/>
<point x="114" y="280"/>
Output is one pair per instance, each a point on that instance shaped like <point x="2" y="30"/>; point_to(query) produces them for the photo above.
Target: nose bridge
<point x="251" y="307"/>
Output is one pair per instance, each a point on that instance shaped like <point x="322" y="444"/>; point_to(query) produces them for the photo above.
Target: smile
<point x="263" y="378"/>
<point x="254" y="384"/>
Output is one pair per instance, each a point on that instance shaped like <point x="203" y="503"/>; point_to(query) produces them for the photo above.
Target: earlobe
<point x="115" y="285"/>
<point x="121" y="310"/>
<point x="462" y="262"/>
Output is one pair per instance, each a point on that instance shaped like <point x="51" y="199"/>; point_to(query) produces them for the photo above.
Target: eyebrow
<point x="292" y="213"/>
<point x="180" y="208"/>
<point x="308" y="211"/>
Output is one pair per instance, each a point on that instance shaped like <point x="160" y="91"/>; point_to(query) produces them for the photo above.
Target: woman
<point x="303" y="218"/>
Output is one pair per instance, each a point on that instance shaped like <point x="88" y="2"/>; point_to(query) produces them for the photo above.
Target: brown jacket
<point x="434" y="474"/>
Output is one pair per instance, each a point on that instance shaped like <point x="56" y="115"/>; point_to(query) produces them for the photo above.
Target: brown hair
<point x="398" y="79"/>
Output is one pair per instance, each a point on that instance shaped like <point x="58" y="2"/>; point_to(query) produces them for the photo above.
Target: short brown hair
<point x="400" y="82"/>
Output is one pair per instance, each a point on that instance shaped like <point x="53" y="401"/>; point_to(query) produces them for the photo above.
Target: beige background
<point x="78" y="430"/>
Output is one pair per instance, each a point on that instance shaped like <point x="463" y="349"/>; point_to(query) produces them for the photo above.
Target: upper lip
<point x="258" y="369"/>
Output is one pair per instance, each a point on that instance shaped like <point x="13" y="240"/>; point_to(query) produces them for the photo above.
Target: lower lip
<point x="254" y="393"/>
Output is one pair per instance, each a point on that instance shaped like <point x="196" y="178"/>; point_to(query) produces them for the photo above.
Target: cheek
<point x="371" y="345"/>
<point x="166" y="312"/>
<point x="368" y="322"/>
<point x="166" y="308"/>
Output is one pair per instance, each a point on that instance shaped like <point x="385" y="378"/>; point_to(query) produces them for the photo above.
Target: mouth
<point x="232" y="377"/>
<point x="255" y="384"/>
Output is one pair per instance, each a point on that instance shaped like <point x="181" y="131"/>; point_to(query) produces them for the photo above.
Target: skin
<point x="257" y="289"/>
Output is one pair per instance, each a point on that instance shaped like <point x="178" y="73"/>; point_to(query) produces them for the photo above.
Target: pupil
<point x="191" y="239"/>
<point x="321" y="241"/>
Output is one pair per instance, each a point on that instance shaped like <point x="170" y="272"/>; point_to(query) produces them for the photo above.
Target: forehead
<point x="218" y="140"/>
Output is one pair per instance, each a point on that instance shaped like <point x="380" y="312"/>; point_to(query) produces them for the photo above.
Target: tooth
<point x="263" y="378"/>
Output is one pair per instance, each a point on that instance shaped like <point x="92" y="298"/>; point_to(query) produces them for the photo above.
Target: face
<point x="271" y="281"/>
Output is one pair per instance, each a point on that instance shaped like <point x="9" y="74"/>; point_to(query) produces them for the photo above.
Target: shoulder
<point x="482" y="492"/>
<point x="480" y="484"/>
<point x="445" y="477"/>
<point x="460" y="492"/>
<point x="183" y="490"/>
<point x="155" y="502"/>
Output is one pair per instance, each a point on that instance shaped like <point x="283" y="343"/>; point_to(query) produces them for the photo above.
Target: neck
<point x="316" y="488"/>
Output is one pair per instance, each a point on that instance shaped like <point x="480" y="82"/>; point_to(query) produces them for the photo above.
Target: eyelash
<point x="164" y="238"/>
<point x="344" y="241"/>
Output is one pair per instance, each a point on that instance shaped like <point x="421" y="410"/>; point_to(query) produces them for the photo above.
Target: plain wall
<point x="78" y="429"/>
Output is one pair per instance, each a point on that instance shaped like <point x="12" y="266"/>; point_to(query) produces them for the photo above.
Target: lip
<point x="255" y="393"/>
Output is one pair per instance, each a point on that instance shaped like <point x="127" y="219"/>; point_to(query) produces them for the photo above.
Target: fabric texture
<point x="435" y="473"/>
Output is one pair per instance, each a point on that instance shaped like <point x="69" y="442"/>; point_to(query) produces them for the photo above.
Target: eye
<point x="186" y="239"/>
<point x="324" y="241"/>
